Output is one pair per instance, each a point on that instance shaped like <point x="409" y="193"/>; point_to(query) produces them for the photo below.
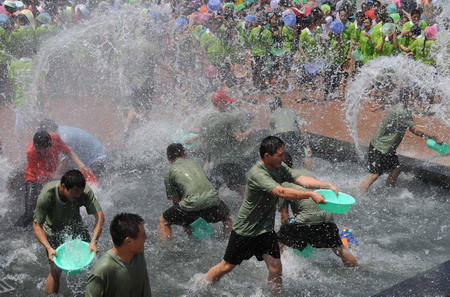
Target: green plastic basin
<point x="73" y="256"/>
<point x="440" y="148"/>
<point x="335" y="203"/>
<point x="201" y="228"/>
<point x="306" y="252"/>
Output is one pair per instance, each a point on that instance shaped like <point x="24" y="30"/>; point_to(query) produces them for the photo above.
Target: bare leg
<point x="52" y="283"/>
<point x="165" y="232"/>
<point x="216" y="272"/>
<point x="275" y="273"/>
<point x="227" y="226"/>
<point x="367" y="182"/>
<point x="347" y="258"/>
<point x="393" y="176"/>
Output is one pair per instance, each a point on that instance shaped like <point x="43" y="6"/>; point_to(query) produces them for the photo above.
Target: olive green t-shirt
<point x="187" y="180"/>
<point x="217" y="131"/>
<point x="257" y="213"/>
<point x="111" y="277"/>
<point x="392" y="129"/>
<point x="305" y="211"/>
<point x="283" y="120"/>
<point x="58" y="216"/>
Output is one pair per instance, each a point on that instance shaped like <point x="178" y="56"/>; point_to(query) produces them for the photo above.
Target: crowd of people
<point x="328" y="39"/>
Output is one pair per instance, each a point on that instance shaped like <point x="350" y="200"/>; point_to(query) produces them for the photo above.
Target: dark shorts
<point x="294" y="142"/>
<point x="242" y="248"/>
<point x="298" y="236"/>
<point x="233" y="175"/>
<point x="176" y="216"/>
<point x="379" y="163"/>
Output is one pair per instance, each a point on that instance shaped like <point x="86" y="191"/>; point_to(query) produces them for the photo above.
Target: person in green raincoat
<point x="421" y="48"/>
<point x="261" y="41"/>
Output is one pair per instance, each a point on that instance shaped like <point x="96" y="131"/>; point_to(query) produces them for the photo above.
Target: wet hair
<point x="416" y="11"/>
<point x="42" y="139"/>
<point x="275" y="103"/>
<point x="307" y="21"/>
<point x="175" y="151"/>
<point x="47" y="125"/>
<point x="405" y="93"/>
<point x="23" y="20"/>
<point x="288" y="159"/>
<point x="317" y="14"/>
<point x="270" y="145"/>
<point x="125" y="225"/>
<point x="73" y="179"/>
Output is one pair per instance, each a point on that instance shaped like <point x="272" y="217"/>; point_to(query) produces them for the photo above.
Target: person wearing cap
<point x="192" y="194"/>
<point x="288" y="37"/>
<point x="22" y="40"/>
<point x="57" y="217"/>
<point x="253" y="231"/>
<point x="341" y="52"/>
<point x="213" y="46"/>
<point x="387" y="45"/>
<point x="260" y="40"/>
<point x="10" y="7"/>
<point x="224" y="133"/>
<point x="382" y="156"/>
<point x="42" y="163"/>
<point x="421" y="48"/>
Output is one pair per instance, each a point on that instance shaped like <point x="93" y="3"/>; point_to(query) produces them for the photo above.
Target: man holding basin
<point x="253" y="231"/>
<point x="57" y="218"/>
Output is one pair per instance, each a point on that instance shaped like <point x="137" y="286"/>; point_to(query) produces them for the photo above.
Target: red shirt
<point x="39" y="170"/>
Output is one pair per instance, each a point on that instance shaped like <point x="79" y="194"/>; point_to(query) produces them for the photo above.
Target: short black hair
<point x="23" y="20"/>
<point x="270" y="145"/>
<point x="416" y="11"/>
<point x="124" y="225"/>
<point x="73" y="178"/>
<point x="174" y="151"/>
<point x="275" y="103"/>
<point x="48" y="125"/>
<point x="42" y="139"/>
<point x="288" y="159"/>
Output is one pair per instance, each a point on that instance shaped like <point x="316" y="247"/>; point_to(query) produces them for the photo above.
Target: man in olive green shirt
<point x="382" y="155"/>
<point x="285" y="124"/>
<point x="122" y="271"/>
<point x="310" y="225"/>
<point x="57" y="215"/>
<point x="193" y="195"/>
<point x="253" y="231"/>
<point x="224" y="134"/>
